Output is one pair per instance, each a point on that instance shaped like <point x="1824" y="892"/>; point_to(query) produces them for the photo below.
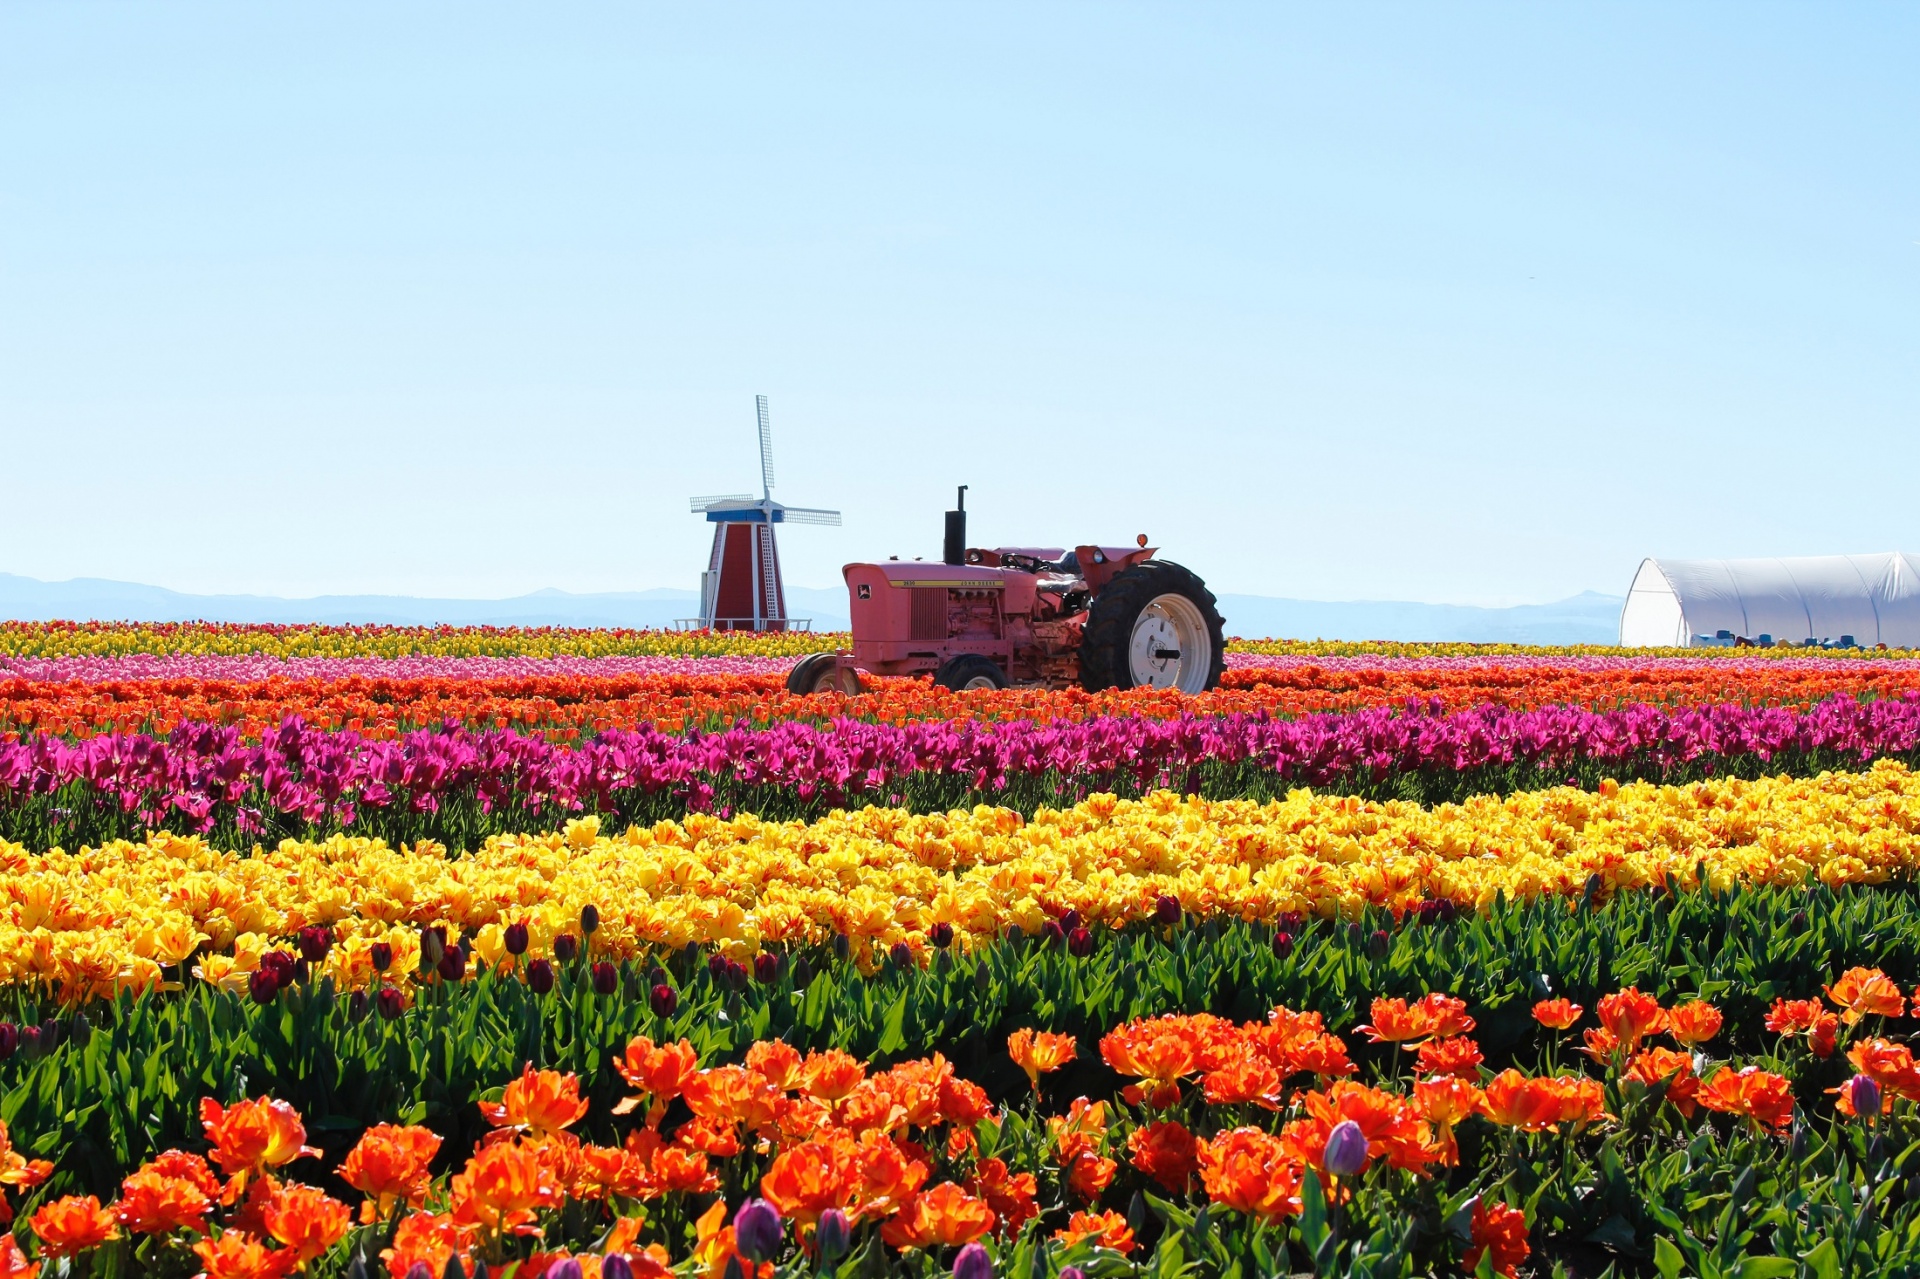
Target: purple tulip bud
<point x="419" y="1270"/>
<point x="390" y="1003"/>
<point x="315" y="940"/>
<point x="664" y="1000"/>
<point x="832" y="1236"/>
<point x="1379" y="944"/>
<point x="357" y="1005"/>
<point x="1346" y="1152"/>
<point x="565" y="1268"/>
<point x="1282" y="945"/>
<point x="615" y="1266"/>
<point x="282" y="964"/>
<point x="516" y="939"/>
<point x="766" y="968"/>
<point x="717" y="966"/>
<point x="757" y="1230"/>
<point x="606" y="978"/>
<point x="1290" y="921"/>
<point x="736" y="975"/>
<point x="1052" y="931"/>
<point x="565" y="947"/>
<point x="901" y="954"/>
<point x="299" y="972"/>
<point x="842" y="947"/>
<point x="941" y="935"/>
<point x="263" y="985"/>
<point x="1070" y="921"/>
<point x="9" y="1039"/>
<point x="589" y="919"/>
<point x="453" y="964"/>
<point x="1166" y="910"/>
<point x="540" y="976"/>
<point x="802" y="972"/>
<point x="381" y="953"/>
<point x="973" y="1263"/>
<point x="1080" y="943"/>
<point x="1864" y="1092"/>
<point x="1072" y="1272"/>
<point x="30" y="1041"/>
<point x="433" y="947"/>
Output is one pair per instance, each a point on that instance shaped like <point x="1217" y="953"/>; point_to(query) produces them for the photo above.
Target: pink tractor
<point x="1097" y="616"/>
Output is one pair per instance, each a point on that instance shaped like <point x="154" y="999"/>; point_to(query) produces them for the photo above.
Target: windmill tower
<point x="741" y="589"/>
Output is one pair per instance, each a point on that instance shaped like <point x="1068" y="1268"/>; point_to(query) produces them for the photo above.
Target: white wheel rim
<point x="979" y="681"/>
<point x="1171" y="646"/>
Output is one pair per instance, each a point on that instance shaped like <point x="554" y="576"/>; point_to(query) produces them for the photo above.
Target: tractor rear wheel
<point x="820" y="673"/>
<point x="1154" y="626"/>
<point x="970" y="671"/>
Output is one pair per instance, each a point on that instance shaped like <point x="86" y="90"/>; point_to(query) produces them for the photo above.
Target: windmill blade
<point x="700" y="504"/>
<point x="809" y="515"/>
<point x="766" y="446"/>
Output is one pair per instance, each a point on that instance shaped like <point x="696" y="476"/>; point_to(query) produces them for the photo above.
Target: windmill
<point x="741" y="589"/>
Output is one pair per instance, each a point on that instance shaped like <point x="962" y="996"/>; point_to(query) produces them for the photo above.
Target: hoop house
<point x="1873" y="599"/>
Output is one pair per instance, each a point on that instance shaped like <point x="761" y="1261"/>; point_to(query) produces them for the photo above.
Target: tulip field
<point x="450" y="952"/>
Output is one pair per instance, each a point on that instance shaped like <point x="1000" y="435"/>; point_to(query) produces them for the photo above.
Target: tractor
<point x="1096" y="616"/>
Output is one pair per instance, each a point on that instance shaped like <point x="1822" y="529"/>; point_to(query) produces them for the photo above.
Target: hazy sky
<point x="1435" y="302"/>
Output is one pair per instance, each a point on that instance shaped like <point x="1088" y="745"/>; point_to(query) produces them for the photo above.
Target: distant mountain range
<point x="1588" y="618"/>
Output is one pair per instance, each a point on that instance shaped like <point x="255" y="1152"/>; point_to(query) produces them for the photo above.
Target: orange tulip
<point x="1764" y="1098"/>
<point x="1557" y="1014"/>
<point x="1106" y="1230"/>
<point x="1012" y="1196"/>
<point x="250" y="1137"/>
<point x="1392" y="1126"/>
<point x="18" y="1171"/>
<point x="831" y="1075"/>
<point x="426" y="1239"/>
<point x="1458" y="1056"/>
<point x="1394" y="1022"/>
<point x="1630" y="1016"/>
<point x="946" y="1215"/>
<point x="776" y="1061"/>
<point x="1166" y="1152"/>
<point x="389" y="1165"/>
<point x="13" y="1262"/>
<point x="1040" y="1052"/>
<point x="804" y="1181"/>
<point x="540" y="1103"/>
<point x="1693" y="1024"/>
<point x="1865" y="992"/>
<point x="1676" y="1068"/>
<point x="235" y="1254"/>
<point x="67" y="1227"/>
<point x="501" y="1189"/>
<point x="1158" y="1051"/>
<point x="152" y="1203"/>
<point x="1888" y="1064"/>
<point x="658" y="1073"/>
<point x="307" y="1221"/>
<point x="1502" y="1230"/>
<point x="1246" y="1076"/>
<point x="1248" y="1171"/>
<point x="1534" y="1105"/>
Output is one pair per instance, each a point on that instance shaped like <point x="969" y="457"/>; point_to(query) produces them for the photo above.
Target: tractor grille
<point x="929" y="621"/>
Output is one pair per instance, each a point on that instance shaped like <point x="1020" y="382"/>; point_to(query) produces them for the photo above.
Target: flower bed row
<point x="457" y="786"/>
<point x="120" y="914"/>
<point x="1215" y="1141"/>
<point x="115" y="639"/>
<point x="678" y="695"/>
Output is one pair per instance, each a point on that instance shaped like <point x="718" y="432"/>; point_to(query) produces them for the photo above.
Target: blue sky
<point x="1454" y="303"/>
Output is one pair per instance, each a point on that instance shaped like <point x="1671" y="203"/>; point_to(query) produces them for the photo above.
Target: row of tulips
<point x="1224" y="1140"/>
<point x="565" y="705"/>
<point x="212" y="639"/>
<point x="118" y="639"/>
<point x="458" y="785"/>
<point x="123" y="914"/>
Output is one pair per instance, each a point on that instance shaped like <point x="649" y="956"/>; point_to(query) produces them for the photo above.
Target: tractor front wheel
<point x="1154" y="626"/>
<point x="820" y="673"/>
<point x="970" y="671"/>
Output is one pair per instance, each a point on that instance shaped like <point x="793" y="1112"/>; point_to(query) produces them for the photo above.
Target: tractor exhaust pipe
<point x="955" y="551"/>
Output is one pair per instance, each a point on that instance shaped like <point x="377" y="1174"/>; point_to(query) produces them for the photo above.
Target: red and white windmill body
<point x="741" y="589"/>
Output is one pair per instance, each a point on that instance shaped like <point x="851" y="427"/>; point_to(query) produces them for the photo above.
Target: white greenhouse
<point x="1830" y="599"/>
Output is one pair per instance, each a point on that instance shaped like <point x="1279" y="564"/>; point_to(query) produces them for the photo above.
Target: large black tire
<point x="970" y="670"/>
<point x="1106" y="643"/>
<point x="820" y="673"/>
